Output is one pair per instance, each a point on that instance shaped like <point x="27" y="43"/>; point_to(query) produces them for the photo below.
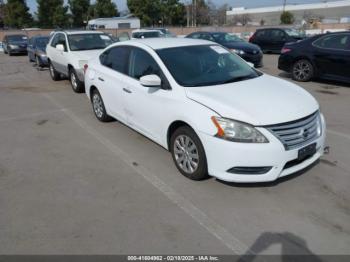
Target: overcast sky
<point x="234" y="3"/>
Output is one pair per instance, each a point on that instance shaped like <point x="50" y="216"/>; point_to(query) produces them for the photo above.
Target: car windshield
<point x="294" y="33"/>
<point x="205" y="65"/>
<point x="146" y="34"/>
<point x="226" y="38"/>
<point x="79" y="42"/>
<point x="17" y="38"/>
<point x="42" y="42"/>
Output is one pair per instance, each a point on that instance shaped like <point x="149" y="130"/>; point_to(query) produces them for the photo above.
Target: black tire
<point x="200" y="170"/>
<point x="77" y="85"/>
<point x="99" y="107"/>
<point x="5" y="51"/>
<point x="53" y="73"/>
<point x="10" y="54"/>
<point x="303" y="70"/>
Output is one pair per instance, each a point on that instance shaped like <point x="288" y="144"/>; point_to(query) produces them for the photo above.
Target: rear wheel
<point x="303" y="70"/>
<point x="99" y="107"/>
<point x="53" y="73"/>
<point x="188" y="154"/>
<point x="77" y="85"/>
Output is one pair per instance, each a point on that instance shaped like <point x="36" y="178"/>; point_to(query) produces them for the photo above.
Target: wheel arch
<point x="173" y="127"/>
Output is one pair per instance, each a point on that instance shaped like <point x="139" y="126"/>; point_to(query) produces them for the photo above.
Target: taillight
<point x="85" y="68"/>
<point x="285" y="50"/>
<point x="251" y="38"/>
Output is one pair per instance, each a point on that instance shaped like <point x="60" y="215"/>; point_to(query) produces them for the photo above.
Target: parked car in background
<point x="1" y="47"/>
<point x="272" y="40"/>
<point x="215" y="113"/>
<point x="15" y="44"/>
<point x="325" y="56"/>
<point x="165" y="31"/>
<point x="249" y="52"/>
<point x="37" y="50"/>
<point x="69" y="51"/>
<point x="146" y="33"/>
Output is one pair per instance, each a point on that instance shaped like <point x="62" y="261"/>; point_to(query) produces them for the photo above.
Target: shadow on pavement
<point x="293" y="249"/>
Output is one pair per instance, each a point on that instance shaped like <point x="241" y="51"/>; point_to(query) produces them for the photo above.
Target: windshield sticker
<point x="104" y="37"/>
<point x="220" y="50"/>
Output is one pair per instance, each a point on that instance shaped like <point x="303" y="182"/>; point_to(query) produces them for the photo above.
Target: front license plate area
<point x="306" y="152"/>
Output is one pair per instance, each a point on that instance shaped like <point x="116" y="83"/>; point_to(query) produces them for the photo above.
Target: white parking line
<point x="338" y="134"/>
<point x="30" y="115"/>
<point x="229" y="240"/>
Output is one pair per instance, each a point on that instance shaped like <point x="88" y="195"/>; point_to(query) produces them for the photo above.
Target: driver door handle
<point x="127" y="90"/>
<point x="101" y="79"/>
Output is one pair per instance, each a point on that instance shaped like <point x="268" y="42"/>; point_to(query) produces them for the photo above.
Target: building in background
<point x="124" y="22"/>
<point x="325" y="12"/>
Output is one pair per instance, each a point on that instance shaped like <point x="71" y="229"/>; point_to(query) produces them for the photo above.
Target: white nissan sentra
<point x="216" y="114"/>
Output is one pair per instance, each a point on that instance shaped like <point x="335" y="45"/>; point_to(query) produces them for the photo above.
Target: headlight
<point x="14" y="46"/>
<point x="319" y="125"/>
<point x="82" y="63"/>
<point x="237" y="51"/>
<point x="237" y="131"/>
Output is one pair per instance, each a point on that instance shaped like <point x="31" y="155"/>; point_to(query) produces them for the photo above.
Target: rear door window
<point x="116" y="59"/>
<point x="341" y="42"/>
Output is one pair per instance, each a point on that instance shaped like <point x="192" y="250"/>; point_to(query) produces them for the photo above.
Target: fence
<point x="182" y="30"/>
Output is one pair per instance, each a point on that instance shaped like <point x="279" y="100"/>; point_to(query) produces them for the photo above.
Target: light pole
<point x="284" y="5"/>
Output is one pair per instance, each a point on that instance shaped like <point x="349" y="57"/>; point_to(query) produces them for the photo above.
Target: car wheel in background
<point x="99" y="107"/>
<point x="38" y="61"/>
<point x="188" y="154"/>
<point x="302" y="70"/>
<point x="53" y="73"/>
<point x="77" y="85"/>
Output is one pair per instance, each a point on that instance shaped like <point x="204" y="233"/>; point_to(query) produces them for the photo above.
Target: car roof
<point x="163" y="43"/>
<point x="79" y="32"/>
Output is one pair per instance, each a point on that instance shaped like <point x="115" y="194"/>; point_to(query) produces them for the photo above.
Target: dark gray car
<point x="37" y="50"/>
<point x="15" y="44"/>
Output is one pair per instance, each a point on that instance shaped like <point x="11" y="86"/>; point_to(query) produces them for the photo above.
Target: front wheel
<point x="77" y="85"/>
<point x="303" y="71"/>
<point x="99" y="107"/>
<point x="188" y="154"/>
<point x="53" y="73"/>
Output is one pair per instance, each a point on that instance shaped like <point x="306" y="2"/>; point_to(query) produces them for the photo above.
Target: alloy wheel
<point x="186" y="154"/>
<point x="73" y="80"/>
<point x="98" y="106"/>
<point x="302" y="70"/>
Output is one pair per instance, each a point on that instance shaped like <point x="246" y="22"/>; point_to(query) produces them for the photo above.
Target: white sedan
<point x="217" y="115"/>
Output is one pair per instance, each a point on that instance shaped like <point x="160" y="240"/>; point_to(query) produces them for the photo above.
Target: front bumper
<point x="223" y="155"/>
<point x="255" y="59"/>
<point x="18" y="50"/>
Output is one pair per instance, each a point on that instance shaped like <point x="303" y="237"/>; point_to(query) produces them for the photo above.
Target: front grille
<point x="297" y="133"/>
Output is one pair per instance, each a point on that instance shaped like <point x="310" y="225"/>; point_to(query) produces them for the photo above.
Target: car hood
<point x="87" y="54"/>
<point x="264" y="100"/>
<point x="248" y="47"/>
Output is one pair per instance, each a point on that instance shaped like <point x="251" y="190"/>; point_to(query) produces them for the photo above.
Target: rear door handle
<point x="127" y="90"/>
<point x="101" y="79"/>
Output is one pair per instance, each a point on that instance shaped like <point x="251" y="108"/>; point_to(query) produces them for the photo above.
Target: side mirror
<point x="60" y="48"/>
<point x="251" y="64"/>
<point x="151" y="81"/>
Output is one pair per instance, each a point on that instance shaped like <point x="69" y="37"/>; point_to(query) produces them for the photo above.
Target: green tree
<point x="105" y="8"/>
<point x="153" y="12"/>
<point x="287" y="18"/>
<point x="2" y="13"/>
<point x="52" y="13"/>
<point x="79" y="9"/>
<point x="17" y="14"/>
